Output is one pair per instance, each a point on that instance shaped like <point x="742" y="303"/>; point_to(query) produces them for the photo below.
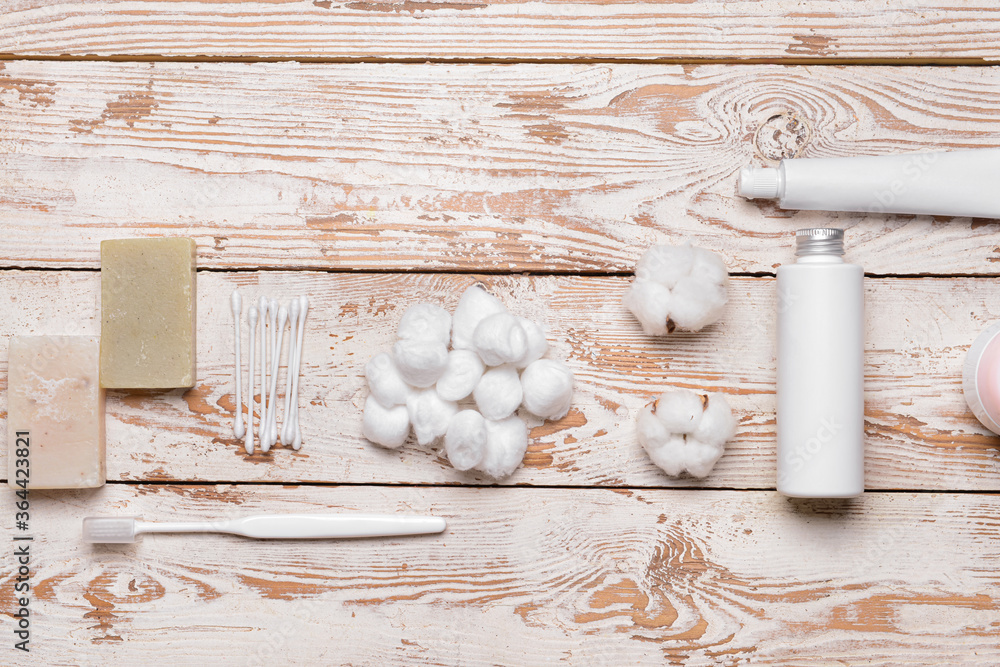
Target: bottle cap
<point x="758" y="183"/>
<point x="819" y="241"/>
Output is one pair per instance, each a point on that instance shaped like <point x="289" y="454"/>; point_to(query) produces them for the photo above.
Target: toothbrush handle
<point x="316" y="526"/>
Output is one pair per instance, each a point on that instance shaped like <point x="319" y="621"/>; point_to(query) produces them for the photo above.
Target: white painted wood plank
<point x="522" y="576"/>
<point x="810" y="30"/>
<point x="550" y="168"/>
<point x="920" y="434"/>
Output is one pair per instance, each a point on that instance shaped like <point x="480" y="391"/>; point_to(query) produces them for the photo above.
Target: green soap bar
<point x="148" y="313"/>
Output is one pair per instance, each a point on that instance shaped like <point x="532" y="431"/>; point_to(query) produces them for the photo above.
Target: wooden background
<point x="378" y="153"/>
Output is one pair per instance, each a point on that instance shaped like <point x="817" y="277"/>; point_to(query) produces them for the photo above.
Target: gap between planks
<point x="543" y="487"/>
<point x="475" y="272"/>
<point x="253" y="60"/>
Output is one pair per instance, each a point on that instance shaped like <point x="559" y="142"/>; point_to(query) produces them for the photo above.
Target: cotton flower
<point x="425" y="321"/>
<point x="385" y="382"/>
<point x="388" y="427"/>
<point x="680" y="287"/>
<point x="651" y="304"/>
<point x="460" y="376"/>
<point x="420" y="361"/>
<point x="506" y="444"/>
<point x="547" y="387"/>
<point x="475" y="305"/>
<point x="429" y="415"/>
<point x="498" y="392"/>
<point x="680" y="411"/>
<point x="685" y="432"/>
<point x="500" y="339"/>
<point x="717" y="422"/>
<point x="465" y="441"/>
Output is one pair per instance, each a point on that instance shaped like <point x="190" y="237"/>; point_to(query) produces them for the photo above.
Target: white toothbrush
<point x="125" y="530"/>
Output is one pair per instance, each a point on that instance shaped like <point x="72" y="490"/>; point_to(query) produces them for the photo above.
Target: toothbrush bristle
<point x="109" y="530"/>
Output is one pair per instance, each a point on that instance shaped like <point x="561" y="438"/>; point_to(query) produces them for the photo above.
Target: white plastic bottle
<point x="820" y="370"/>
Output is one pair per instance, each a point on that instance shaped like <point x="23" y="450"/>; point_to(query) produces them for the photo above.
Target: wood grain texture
<point x="920" y="434"/>
<point x="814" y="30"/>
<point x="545" y="168"/>
<point x="522" y="576"/>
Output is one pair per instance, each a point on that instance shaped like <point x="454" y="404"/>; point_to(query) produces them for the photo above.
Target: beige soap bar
<point x="55" y="413"/>
<point x="148" y="313"/>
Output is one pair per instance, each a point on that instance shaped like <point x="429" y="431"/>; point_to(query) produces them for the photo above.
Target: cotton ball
<point x="475" y="306"/>
<point x="420" y="362"/>
<point x="679" y="410"/>
<point x="651" y="304"/>
<point x="665" y="264"/>
<point x="460" y="376"/>
<point x="548" y="388"/>
<point x="506" y="443"/>
<point x="388" y="427"/>
<point x="384" y="380"/>
<point x="699" y="457"/>
<point x="425" y="321"/>
<point x="537" y="346"/>
<point x="498" y="393"/>
<point x="696" y="303"/>
<point x="718" y="425"/>
<point x="500" y="339"/>
<point x="465" y="441"/>
<point x="429" y="415"/>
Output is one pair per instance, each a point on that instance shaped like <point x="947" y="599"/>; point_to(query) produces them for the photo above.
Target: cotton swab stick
<point x="237" y="304"/>
<point x="262" y="305"/>
<point x="272" y="407"/>
<point x="273" y="309"/>
<point x="252" y="371"/>
<point x="303" y="309"/>
<point x="126" y="530"/>
<point x="293" y="317"/>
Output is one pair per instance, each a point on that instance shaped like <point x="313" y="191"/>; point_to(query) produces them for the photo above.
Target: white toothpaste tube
<point x="956" y="183"/>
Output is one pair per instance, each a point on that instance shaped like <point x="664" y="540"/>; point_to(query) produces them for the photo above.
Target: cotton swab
<point x="293" y="317"/>
<point x="272" y="408"/>
<point x="272" y="317"/>
<point x="262" y="305"/>
<point x="252" y="371"/>
<point x="304" y="308"/>
<point x="237" y="304"/>
<point x="290" y="427"/>
<point x="126" y="530"/>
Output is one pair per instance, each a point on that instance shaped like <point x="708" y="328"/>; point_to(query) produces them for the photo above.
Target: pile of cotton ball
<point x="468" y="394"/>
<point x="684" y="431"/>
<point x="677" y="287"/>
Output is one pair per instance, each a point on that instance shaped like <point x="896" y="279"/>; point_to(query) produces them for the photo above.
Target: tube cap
<point x="758" y="183"/>
<point x="819" y="241"/>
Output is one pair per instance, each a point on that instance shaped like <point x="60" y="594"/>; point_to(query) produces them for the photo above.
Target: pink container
<point x="981" y="378"/>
